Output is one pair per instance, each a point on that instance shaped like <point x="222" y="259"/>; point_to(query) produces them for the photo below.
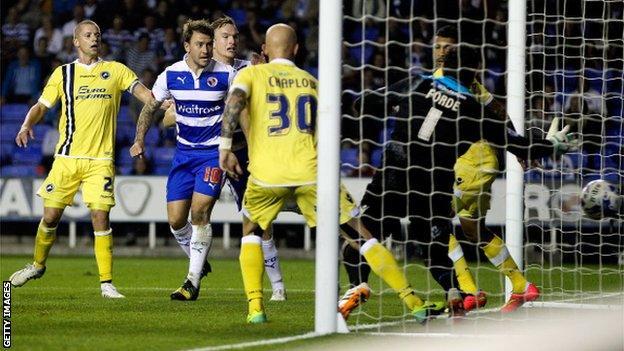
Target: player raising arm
<point x="89" y="90"/>
<point x="224" y="60"/>
<point x="282" y="103"/>
<point x="195" y="179"/>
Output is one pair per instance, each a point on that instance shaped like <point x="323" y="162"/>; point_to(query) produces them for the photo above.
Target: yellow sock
<point x="43" y="243"/>
<point x="252" y="268"/>
<point x="384" y="265"/>
<point x="464" y="276"/>
<point x="497" y="252"/>
<point x="103" y="247"/>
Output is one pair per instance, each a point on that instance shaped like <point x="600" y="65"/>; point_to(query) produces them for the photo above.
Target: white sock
<point x="201" y="240"/>
<point x="183" y="237"/>
<point x="271" y="264"/>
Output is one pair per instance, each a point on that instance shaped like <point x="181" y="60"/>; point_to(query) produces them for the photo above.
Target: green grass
<point x="64" y="310"/>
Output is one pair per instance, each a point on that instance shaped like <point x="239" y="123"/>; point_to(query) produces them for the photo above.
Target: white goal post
<point x="514" y="219"/>
<point x="328" y="178"/>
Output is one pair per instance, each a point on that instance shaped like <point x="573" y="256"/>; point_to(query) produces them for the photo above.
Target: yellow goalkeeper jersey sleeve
<point x="90" y="96"/>
<point x="282" y="103"/>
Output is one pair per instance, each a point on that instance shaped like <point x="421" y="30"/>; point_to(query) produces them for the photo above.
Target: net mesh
<point x="574" y="71"/>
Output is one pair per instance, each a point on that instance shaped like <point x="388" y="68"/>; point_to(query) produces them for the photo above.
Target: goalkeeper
<point x="421" y="180"/>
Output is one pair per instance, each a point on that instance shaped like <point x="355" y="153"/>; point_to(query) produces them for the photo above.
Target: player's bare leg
<point x="46" y="236"/>
<point x="103" y="248"/>
<point x="272" y="265"/>
<point x="200" y="243"/>
<point x="252" y="268"/>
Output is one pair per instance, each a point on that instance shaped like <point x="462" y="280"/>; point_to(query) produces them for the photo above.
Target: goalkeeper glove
<point x="562" y="140"/>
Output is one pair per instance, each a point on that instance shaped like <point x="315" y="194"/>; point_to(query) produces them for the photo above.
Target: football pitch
<point x="64" y="310"/>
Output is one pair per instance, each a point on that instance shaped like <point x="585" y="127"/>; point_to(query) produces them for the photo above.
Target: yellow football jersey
<point x="90" y="97"/>
<point x="282" y="115"/>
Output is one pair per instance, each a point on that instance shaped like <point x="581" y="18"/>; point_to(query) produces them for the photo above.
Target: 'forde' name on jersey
<point x="441" y="99"/>
<point x="291" y="82"/>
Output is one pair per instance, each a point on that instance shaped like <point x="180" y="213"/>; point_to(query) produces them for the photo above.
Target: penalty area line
<point x="259" y="342"/>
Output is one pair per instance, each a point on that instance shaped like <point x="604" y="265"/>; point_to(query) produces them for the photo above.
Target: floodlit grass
<point x="64" y="310"/>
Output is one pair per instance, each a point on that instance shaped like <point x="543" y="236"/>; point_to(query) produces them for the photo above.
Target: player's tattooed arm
<point x="235" y="104"/>
<point x="145" y="119"/>
<point x="143" y="123"/>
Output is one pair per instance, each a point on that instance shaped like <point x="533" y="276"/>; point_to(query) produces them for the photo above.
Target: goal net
<point x="574" y="73"/>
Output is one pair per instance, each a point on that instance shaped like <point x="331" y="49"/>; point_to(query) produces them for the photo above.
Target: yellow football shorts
<point x="262" y="204"/>
<point x="67" y="175"/>
<point x="475" y="171"/>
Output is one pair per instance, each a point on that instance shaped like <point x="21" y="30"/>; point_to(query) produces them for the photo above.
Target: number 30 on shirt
<point x="305" y="114"/>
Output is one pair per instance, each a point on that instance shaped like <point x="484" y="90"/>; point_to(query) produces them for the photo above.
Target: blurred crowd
<point x="574" y="62"/>
<point x="143" y="34"/>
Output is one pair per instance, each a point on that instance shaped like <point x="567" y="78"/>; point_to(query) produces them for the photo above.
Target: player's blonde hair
<point x="82" y="23"/>
<point x="222" y="21"/>
<point x="200" y="26"/>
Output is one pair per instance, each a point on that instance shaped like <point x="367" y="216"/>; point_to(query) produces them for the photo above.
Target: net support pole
<point x="514" y="228"/>
<point x="328" y="176"/>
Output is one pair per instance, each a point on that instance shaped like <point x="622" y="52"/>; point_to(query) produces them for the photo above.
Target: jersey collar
<point x="89" y="67"/>
<point x="282" y="61"/>
<point x="190" y="70"/>
<point x="452" y="84"/>
<point x="224" y="63"/>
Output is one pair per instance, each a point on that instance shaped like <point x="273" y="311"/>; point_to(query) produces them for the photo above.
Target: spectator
<point x="53" y="35"/>
<point x="48" y="147"/>
<point x="156" y="35"/>
<point x="369" y="7"/>
<point x="105" y="52"/>
<point x="147" y="78"/>
<point x="378" y="71"/>
<point x="592" y="99"/>
<point x="181" y="20"/>
<point x="29" y="12"/>
<point x="117" y="37"/>
<point x="170" y="50"/>
<point x="22" y="81"/>
<point x="61" y="8"/>
<point x="585" y="111"/>
<point x="44" y="56"/>
<point x="14" y="33"/>
<point x="164" y="14"/>
<point x="91" y="10"/>
<point x="68" y="27"/>
<point x="418" y="57"/>
<point x="133" y="13"/>
<point x="68" y="54"/>
<point x="140" y="57"/>
<point x="251" y="29"/>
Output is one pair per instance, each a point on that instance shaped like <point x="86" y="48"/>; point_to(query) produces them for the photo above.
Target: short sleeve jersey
<point x="90" y="96"/>
<point x="282" y="115"/>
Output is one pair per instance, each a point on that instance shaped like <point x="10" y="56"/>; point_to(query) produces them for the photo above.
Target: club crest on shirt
<point x="49" y="188"/>
<point x="212" y="82"/>
<point x="105" y="75"/>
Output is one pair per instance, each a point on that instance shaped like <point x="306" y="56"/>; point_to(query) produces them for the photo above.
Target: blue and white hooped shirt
<point x="199" y="100"/>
